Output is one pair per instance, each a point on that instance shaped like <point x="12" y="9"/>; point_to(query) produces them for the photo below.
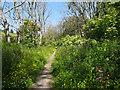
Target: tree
<point x="42" y="17"/>
<point x="28" y="31"/>
<point x="19" y="21"/>
<point x="72" y="26"/>
<point x="116" y="5"/>
<point x="5" y="25"/>
<point x="104" y="27"/>
<point x="80" y="11"/>
<point x="5" y="22"/>
<point x="11" y="31"/>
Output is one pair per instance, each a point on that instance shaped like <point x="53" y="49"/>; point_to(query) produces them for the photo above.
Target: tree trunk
<point x="80" y="31"/>
<point x="40" y="38"/>
<point x="6" y="26"/>
<point x="44" y="27"/>
<point x="7" y="32"/>
<point x="18" y="37"/>
<point x="19" y="22"/>
<point x="36" y="35"/>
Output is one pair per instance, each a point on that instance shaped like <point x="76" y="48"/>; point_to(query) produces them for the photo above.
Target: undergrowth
<point x="92" y="65"/>
<point x="20" y="65"/>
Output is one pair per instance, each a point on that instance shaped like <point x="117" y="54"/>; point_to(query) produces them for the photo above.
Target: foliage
<point x="52" y="34"/>
<point x="116" y="5"/>
<point x="70" y="40"/>
<point x="3" y="34"/>
<point x="79" y="62"/>
<point x="92" y="65"/>
<point x="20" y="64"/>
<point x="13" y="36"/>
<point x="72" y="26"/>
<point x="29" y="33"/>
<point x="11" y="30"/>
<point x="104" y="27"/>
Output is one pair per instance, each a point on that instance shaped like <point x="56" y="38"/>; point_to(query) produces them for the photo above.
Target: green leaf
<point x="107" y="59"/>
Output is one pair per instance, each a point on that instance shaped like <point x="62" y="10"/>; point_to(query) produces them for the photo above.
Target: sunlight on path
<point x="44" y="79"/>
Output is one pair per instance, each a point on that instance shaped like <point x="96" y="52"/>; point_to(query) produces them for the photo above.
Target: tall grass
<point x="20" y="65"/>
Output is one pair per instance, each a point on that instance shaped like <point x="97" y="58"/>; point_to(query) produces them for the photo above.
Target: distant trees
<point x="5" y="22"/>
<point x="52" y="33"/>
<point x="39" y="14"/>
<point x="36" y="11"/>
<point x="79" y="11"/>
<point x="43" y="15"/>
<point x="72" y="26"/>
<point x="11" y="30"/>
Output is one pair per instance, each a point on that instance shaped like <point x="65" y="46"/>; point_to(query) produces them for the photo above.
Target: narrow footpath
<point x="44" y="79"/>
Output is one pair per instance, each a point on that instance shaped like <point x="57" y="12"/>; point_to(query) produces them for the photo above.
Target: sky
<point x="58" y="12"/>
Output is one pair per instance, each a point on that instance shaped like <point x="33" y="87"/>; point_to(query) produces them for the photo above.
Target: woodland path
<point x="44" y="79"/>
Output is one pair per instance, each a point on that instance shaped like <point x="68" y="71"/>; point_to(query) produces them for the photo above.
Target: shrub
<point x="71" y="40"/>
<point x="92" y="65"/>
<point x="103" y="28"/>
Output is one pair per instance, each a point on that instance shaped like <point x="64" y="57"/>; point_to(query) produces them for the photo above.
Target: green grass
<point x="21" y="65"/>
<point x="11" y="34"/>
<point x="3" y="34"/>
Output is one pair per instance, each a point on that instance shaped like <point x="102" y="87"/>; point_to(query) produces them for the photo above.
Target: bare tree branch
<point x="15" y="7"/>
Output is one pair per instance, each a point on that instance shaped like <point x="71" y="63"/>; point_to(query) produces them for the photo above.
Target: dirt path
<point x="44" y="79"/>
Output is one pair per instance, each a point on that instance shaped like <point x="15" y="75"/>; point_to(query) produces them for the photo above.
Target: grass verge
<point x="21" y="65"/>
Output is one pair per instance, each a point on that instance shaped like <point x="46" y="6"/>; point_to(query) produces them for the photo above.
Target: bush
<point x="92" y="65"/>
<point x="71" y="40"/>
<point x="103" y="28"/>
